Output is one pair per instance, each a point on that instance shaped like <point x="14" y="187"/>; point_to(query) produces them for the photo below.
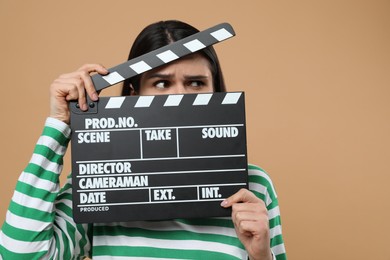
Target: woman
<point x="39" y="223"/>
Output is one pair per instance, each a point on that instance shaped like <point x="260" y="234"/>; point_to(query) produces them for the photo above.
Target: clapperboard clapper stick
<point x="158" y="157"/>
<point x="164" y="55"/>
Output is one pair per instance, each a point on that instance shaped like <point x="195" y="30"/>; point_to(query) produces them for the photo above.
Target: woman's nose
<point x="178" y="89"/>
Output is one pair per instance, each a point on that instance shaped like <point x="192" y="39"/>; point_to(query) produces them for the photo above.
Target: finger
<point x="240" y="213"/>
<point x="81" y="96"/>
<point x="246" y="216"/>
<point x="72" y="94"/>
<point x="66" y="88"/>
<point x="253" y="228"/>
<point x="89" y="68"/>
<point x="74" y="89"/>
<point x="257" y="208"/>
<point x="89" y="87"/>
<point x="85" y="72"/>
<point x="243" y="195"/>
<point x="94" y="68"/>
<point x="250" y="221"/>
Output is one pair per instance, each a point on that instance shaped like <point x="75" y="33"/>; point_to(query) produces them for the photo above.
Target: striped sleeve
<point x="261" y="185"/>
<point x="39" y="223"/>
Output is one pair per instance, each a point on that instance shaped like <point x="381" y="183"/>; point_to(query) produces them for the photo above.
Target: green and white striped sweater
<point x="39" y="223"/>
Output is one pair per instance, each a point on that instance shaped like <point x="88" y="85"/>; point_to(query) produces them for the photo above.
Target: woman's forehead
<point x="194" y="62"/>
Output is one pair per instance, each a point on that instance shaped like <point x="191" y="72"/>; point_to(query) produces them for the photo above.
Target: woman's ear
<point x="132" y="91"/>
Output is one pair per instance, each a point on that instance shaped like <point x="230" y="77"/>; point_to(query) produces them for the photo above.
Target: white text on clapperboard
<point x="118" y="168"/>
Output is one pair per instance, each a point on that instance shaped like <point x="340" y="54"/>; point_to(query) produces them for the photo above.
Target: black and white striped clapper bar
<point x="158" y="157"/>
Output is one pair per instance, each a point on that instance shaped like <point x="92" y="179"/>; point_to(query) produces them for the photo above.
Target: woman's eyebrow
<point x="195" y="77"/>
<point x="167" y="76"/>
<point x="158" y="75"/>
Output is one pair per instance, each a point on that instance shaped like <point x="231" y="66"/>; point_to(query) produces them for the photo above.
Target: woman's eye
<point x="161" y="84"/>
<point x="197" y="83"/>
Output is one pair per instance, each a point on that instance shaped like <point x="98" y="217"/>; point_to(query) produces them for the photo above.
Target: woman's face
<point x="187" y="75"/>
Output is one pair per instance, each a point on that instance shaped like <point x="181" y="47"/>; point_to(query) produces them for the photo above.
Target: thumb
<point x="242" y="196"/>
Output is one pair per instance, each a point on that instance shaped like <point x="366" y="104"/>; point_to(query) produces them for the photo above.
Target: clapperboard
<point x="158" y="157"/>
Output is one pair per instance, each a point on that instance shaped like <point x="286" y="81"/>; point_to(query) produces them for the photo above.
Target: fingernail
<point x="224" y="203"/>
<point x="85" y="107"/>
<point x="95" y="97"/>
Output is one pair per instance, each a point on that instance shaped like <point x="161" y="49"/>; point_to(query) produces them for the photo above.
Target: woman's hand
<point x="73" y="86"/>
<point x="250" y="218"/>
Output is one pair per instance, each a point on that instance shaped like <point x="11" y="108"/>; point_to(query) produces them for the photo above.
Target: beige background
<point x="317" y="79"/>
